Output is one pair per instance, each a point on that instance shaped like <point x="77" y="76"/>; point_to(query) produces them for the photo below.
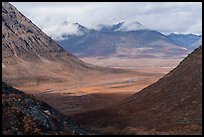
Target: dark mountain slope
<point x="172" y="105"/>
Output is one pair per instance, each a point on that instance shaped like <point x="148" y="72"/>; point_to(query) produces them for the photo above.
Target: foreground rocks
<point x="22" y="114"/>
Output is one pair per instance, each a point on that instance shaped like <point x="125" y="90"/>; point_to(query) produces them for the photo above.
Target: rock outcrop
<point x="22" y="114"/>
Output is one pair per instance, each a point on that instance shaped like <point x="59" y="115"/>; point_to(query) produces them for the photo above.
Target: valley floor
<point x="99" y="92"/>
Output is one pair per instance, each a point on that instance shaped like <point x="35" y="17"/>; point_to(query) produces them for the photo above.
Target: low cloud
<point x="166" y="17"/>
<point x="130" y="26"/>
<point x="60" y="29"/>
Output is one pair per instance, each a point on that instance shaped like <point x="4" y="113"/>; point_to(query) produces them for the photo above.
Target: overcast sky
<point x="166" y="17"/>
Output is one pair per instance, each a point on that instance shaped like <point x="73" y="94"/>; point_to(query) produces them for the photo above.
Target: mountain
<point x="131" y="26"/>
<point x="81" y="30"/>
<point x="22" y="114"/>
<point x="172" y="105"/>
<point x="122" y="26"/>
<point x="196" y="44"/>
<point x="110" y="41"/>
<point x="29" y="52"/>
<point x="184" y="40"/>
<point x="109" y="28"/>
<point x="29" y="56"/>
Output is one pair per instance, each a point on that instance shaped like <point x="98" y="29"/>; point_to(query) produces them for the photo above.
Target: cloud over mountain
<point x="180" y="17"/>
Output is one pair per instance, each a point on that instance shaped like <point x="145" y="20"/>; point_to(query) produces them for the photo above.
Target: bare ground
<point x="101" y="91"/>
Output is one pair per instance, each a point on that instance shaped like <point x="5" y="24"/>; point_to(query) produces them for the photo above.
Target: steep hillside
<point x="22" y="114"/>
<point x="172" y="105"/>
<point x="27" y="51"/>
<point x="29" y="56"/>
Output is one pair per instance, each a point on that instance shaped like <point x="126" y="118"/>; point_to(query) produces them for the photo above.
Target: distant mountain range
<point x="116" y="40"/>
<point x="186" y="40"/>
<point x="196" y="44"/>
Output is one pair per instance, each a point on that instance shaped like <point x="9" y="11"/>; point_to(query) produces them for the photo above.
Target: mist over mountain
<point x="116" y="40"/>
<point x="121" y="26"/>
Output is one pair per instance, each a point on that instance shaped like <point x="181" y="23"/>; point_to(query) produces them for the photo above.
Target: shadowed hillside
<point x="172" y="105"/>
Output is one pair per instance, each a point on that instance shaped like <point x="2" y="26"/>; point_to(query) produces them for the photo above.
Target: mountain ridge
<point x="185" y="40"/>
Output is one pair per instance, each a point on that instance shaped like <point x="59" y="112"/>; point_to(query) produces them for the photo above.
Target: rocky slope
<point x="21" y="38"/>
<point x="172" y="105"/>
<point x="22" y="114"/>
<point x="26" y="50"/>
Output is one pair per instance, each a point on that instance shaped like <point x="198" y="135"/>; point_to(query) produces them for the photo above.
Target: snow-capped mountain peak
<point x="131" y="26"/>
<point x="121" y="26"/>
